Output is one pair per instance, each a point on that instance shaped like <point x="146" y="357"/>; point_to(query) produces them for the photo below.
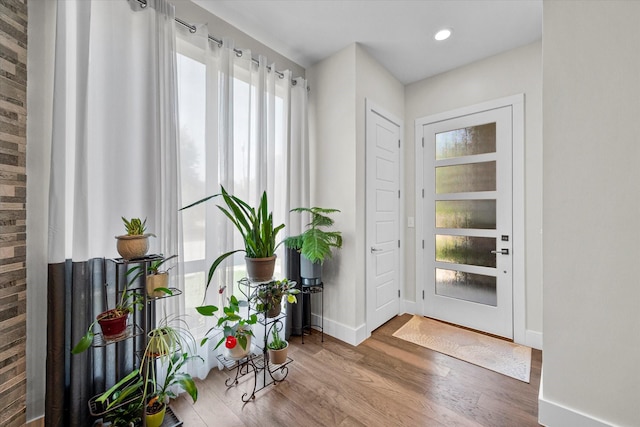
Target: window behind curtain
<point x="197" y="175"/>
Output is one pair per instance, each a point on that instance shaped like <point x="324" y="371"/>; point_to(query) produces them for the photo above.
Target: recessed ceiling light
<point x="442" y="34"/>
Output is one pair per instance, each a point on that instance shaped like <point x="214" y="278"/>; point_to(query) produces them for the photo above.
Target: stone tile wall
<point x="13" y="180"/>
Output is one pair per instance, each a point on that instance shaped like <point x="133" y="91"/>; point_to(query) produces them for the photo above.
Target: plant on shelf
<point x="158" y="393"/>
<point x="170" y="335"/>
<point x="268" y="296"/>
<point x="315" y="244"/>
<point x="157" y="279"/>
<point x="236" y="330"/>
<point x="113" y="323"/>
<point x="278" y="348"/>
<point x="258" y="233"/>
<point x="134" y="244"/>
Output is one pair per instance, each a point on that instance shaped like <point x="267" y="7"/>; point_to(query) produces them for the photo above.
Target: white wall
<point x="339" y="86"/>
<point x="591" y="208"/>
<point x="510" y="73"/>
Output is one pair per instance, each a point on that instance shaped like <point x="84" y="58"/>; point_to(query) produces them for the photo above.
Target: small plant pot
<point x="260" y="269"/>
<point x="112" y="326"/>
<point x="238" y="352"/>
<point x="132" y="247"/>
<point x="278" y="357"/>
<point x="160" y="343"/>
<point x="155" y="418"/>
<point x="310" y="272"/>
<point x="275" y="308"/>
<point x="155" y="281"/>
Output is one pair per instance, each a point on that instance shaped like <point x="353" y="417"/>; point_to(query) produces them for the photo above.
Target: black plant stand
<point x="257" y="362"/>
<point x="308" y="290"/>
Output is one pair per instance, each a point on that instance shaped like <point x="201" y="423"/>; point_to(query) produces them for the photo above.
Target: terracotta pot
<point x="155" y="420"/>
<point x="132" y="247"/>
<point x="260" y="269"/>
<point x="112" y="327"/>
<point x="155" y="281"/>
<point x="278" y="357"/>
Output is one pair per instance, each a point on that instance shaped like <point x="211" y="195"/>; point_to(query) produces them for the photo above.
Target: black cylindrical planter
<point x="294" y="311"/>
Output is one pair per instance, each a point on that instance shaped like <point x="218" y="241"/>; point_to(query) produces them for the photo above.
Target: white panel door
<point x="383" y="218"/>
<point x="467" y="208"/>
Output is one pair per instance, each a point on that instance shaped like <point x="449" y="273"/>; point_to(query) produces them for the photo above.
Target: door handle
<point x="501" y="252"/>
<point x="375" y="249"/>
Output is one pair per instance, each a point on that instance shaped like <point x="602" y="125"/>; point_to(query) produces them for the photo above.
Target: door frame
<point x="373" y="108"/>
<point x="516" y="102"/>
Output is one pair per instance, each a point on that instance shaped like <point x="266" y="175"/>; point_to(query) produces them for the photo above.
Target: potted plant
<point x="170" y="335"/>
<point x="236" y="330"/>
<point x="134" y="244"/>
<point x="315" y="244"/>
<point x="113" y="322"/>
<point x="258" y="233"/>
<point x="268" y="297"/>
<point x="157" y="280"/>
<point x="158" y="397"/>
<point x="277" y="348"/>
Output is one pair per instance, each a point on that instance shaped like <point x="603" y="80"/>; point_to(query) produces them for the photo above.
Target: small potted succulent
<point x="236" y="330"/>
<point x="277" y="347"/>
<point x="134" y="244"/>
<point x="268" y="297"/>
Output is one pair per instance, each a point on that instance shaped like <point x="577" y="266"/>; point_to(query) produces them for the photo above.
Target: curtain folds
<point x="254" y="138"/>
<point x="114" y="153"/>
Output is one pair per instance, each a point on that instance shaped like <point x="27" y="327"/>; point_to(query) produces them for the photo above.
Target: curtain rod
<point x="192" y="29"/>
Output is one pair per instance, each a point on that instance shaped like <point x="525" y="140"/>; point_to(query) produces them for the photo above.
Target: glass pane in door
<point x="466" y="214"/>
<point x="466" y="286"/>
<point x="466" y="177"/>
<point x="466" y="250"/>
<point x="466" y="141"/>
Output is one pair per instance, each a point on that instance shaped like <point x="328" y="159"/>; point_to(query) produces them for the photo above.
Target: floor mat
<point x="492" y="353"/>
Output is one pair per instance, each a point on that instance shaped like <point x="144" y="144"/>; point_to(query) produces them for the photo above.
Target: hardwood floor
<point x="384" y="381"/>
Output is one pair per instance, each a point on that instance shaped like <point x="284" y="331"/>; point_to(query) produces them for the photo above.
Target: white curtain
<point x="242" y="126"/>
<point x="114" y="143"/>
<point x="113" y="153"/>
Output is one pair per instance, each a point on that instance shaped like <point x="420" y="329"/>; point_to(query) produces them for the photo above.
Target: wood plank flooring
<point x="384" y="381"/>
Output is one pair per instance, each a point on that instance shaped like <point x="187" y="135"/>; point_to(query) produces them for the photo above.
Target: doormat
<point x="488" y="352"/>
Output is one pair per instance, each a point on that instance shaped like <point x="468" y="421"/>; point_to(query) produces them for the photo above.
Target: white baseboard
<point x="533" y="339"/>
<point x="411" y="307"/>
<point x="552" y="414"/>
<point x="353" y="336"/>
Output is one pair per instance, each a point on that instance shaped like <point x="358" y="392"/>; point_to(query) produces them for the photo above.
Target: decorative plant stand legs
<point x="257" y="361"/>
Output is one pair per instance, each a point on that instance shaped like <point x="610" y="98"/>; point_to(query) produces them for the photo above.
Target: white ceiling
<point x="397" y="33"/>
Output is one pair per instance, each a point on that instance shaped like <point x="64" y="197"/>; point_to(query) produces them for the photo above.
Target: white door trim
<point x="519" y="288"/>
<point x="373" y="108"/>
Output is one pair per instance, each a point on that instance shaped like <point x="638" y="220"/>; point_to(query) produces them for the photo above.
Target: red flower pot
<point x="113" y="325"/>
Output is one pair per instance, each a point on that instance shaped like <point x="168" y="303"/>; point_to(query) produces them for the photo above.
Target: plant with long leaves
<point x="315" y="243"/>
<point x="255" y="225"/>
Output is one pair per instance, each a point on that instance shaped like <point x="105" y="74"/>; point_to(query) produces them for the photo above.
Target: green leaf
<point x="207" y="310"/>
<point x="187" y="383"/>
<point x="84" y="343"/>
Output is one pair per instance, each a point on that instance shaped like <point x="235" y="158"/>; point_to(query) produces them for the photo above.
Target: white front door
<point x="467" y="220"/>
<point x="382" y="217"/>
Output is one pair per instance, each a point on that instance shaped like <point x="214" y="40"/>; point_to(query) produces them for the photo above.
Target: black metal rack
<point x="309" y="289"/>
<point x="257" y="361"/>
<point x="139" y="324"/>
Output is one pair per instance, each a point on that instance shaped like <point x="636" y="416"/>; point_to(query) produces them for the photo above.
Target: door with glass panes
<point x="467" y="208"/>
